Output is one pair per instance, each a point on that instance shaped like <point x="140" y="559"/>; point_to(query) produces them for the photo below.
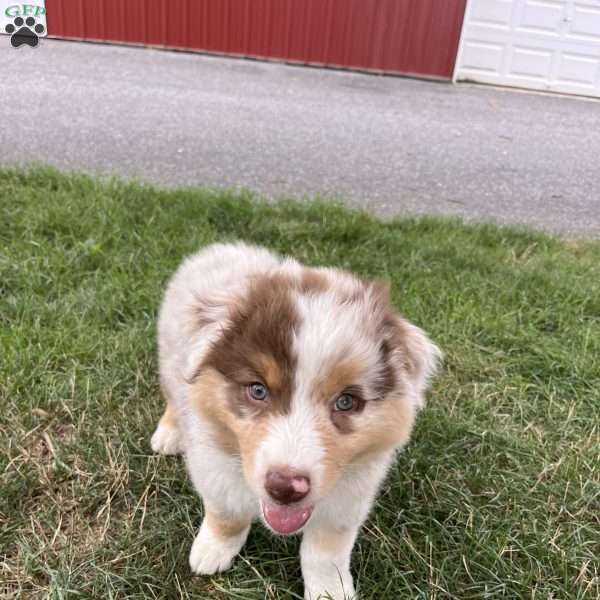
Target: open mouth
<point x="284" y="518"/>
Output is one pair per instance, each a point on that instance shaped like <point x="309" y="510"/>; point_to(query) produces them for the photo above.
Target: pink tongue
<point x="286" y="519"/>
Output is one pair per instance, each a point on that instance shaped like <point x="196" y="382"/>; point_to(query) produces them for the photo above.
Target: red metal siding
<point x="394" y="36"/>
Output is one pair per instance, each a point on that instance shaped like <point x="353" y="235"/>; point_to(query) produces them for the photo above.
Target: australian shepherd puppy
<point x="288" y="390"/>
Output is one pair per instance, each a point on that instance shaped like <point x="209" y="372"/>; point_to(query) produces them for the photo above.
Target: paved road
<point x="390" y="144"/>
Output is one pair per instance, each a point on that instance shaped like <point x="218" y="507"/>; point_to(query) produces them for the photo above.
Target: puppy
<point x="288" y="390"/>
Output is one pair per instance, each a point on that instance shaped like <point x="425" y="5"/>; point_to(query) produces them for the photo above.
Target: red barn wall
<point x="393" y="36"/>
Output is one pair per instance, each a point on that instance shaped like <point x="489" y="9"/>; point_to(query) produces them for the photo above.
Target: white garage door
<point x="539" y="44"/>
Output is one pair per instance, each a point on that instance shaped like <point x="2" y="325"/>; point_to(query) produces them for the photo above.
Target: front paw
<point x="339" y="588"/>
<point x="211" y="553"/>
<point x="166" y="440"/>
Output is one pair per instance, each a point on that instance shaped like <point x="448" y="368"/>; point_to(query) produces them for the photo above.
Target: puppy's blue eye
<point x="344" y="402"/>
<point x="257" y="391"/>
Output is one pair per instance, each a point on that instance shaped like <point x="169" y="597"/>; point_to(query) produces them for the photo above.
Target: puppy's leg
<point x="166" y="439"/>
<point x="219" y="540"/>
<point x="325" y="559"/>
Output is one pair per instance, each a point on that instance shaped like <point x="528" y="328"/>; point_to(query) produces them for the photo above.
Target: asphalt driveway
<point x="392" y="145"/>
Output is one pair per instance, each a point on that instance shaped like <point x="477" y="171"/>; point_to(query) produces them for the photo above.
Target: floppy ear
<point x="423" y="358"/>
<point x="210" y="314"/>
<point x="198" y="350"/>
<point x="416" y="357"/>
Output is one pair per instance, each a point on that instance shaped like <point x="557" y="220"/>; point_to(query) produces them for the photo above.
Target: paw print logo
<point x="24" y="32"/>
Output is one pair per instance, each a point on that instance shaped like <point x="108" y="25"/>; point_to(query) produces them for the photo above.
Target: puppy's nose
<point x="287" y="486"/>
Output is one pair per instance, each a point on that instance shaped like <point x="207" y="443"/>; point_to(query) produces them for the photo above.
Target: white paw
<point x="211" y="554"/>
<point x="166" y="440"/>
<point x="336" y="588"/>
<point x="339" y="595"/>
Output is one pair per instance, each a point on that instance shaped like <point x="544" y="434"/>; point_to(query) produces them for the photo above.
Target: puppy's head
<point x="310" y="373"/>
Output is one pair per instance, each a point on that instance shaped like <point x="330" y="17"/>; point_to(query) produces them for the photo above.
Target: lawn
<point x="497" y="495"/>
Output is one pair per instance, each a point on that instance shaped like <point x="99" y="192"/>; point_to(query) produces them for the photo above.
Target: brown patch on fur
<point x="342" y="420"/>
<point x="313" y="281"/>
<point x="342" y="378"/>
<point x="169" y="417"/>
<point x="225" y="526"/>
<point x="257" y="344"/>
<point x="387" y="376"/>
<point x="346" y="287"/>
<point x="344" y="374"/>
<point x="381" y="290"/>
<point x="383" y="426"/>
<point x="207" y="392"/>
<point x="399" y="339"/>
<point x="395" y="340"/>
<point x="272" y="374"/>
<point x="234" y="435"/>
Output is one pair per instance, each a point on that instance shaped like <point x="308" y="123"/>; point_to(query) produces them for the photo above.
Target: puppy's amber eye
<point x="345" y="402"/>
<point x="257" y="391"/>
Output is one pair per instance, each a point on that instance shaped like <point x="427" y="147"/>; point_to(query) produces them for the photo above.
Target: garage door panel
<point x="497" y="13"/>
<point x="543" y="17"/>
<point x="540" y="44"/>
<point x="585" y="23"/>
<point x="581" y="48"/>
<point x="530" y="62"/>
<point x="486" y="57"/>
<point x="578" y="69"/>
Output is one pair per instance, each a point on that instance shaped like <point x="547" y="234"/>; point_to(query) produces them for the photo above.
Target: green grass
<point x="497" y="496"/>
